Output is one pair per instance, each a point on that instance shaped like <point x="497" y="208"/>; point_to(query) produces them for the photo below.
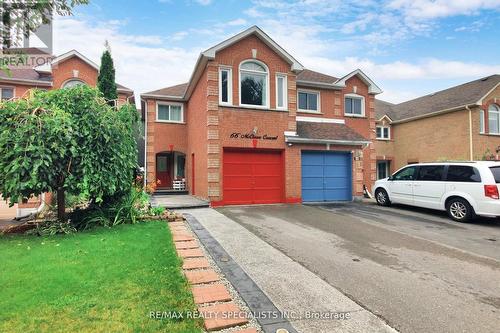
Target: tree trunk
<point x="61" y="204"/>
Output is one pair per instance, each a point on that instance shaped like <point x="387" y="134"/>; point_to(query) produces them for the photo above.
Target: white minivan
<point x="463" y="189"/>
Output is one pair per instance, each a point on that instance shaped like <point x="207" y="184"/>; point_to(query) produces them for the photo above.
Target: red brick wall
<point x="197" y="138"/>
<point x="63" y="71"/>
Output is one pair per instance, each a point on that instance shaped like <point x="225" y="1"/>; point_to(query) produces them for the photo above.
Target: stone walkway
<point x="212" y="297"/>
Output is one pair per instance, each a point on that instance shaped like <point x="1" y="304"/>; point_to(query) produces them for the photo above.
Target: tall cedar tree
<point x="106" y="79"/>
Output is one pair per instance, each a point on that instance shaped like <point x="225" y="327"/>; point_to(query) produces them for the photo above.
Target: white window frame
<point x="497" y="111"/>
<point x="362" y="115"/>
<point x="63" y="85"/>
<point x="481" y="122"/>
<point x="8" y="87"/>
<point x="229" y="71"/>
<point x="170" y="121"/>
<point x="285" y="91"/>
<point x="318" y="103"/>
<point x="267" y="73"/>
<point x="382" y="127"/>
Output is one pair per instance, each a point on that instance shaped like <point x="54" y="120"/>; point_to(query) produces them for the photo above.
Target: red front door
<point x="252" y="177"/>
<point x="164" y="170"/>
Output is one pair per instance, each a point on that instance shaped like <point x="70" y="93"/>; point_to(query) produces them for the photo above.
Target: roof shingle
<point x="312" y="76"/>
<point x="174" y="91"/>
<point x="327" y="131"/>
<point x="454" y="97"/>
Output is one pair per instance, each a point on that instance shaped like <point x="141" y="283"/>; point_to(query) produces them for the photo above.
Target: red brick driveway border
<point x="217" y="301"/>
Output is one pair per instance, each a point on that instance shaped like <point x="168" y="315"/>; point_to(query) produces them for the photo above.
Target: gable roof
<point x="254" y="30"/>
<point x="383" y="108"/>
<point x="305" y="77"/>
<point x="467" y="94"/>
<point x="42" y="75"/>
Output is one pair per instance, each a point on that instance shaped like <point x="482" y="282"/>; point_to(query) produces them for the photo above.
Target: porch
<point x="170" y="172"/>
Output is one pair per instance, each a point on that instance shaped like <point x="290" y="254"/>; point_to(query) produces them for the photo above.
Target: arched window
<point x="254" y="84"/>
<point x="72" y="83"/>
<point x="494" y="119"/>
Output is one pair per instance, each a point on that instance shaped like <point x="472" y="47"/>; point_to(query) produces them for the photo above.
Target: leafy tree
<point x="106" y="79"/>
<point x="66" y="141"/>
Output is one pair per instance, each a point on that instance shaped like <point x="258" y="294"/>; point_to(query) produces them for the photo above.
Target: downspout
<point x="145" y="141"/>
<point x="470" y="133"/>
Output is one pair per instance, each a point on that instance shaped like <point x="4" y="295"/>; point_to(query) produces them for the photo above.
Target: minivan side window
<point x="430" y="172"/>
<point x="463" y="173"/>
<point x="405" y="174"/>
<point x="496" y="174"/>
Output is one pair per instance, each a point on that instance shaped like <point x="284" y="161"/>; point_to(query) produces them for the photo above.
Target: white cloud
<point x="431" y="9"/>
<point x="204" y="2"/>
<point x="141" y="63"/>
<point x="237" y="22"/>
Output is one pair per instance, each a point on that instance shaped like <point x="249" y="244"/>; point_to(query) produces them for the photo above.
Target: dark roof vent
<point x="485" y="78"/>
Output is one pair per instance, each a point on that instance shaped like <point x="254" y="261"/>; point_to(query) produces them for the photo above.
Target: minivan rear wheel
<point x="459" y="210"/>
<point x="382" y="197"/>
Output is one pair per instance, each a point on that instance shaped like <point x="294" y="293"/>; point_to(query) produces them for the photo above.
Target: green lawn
<point x="103" y="280"/>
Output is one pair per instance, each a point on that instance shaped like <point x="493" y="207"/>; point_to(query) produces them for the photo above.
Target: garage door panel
<point x="312" y="171"/>
<point x="259" y="178"/>
<point x="326" y="176"/>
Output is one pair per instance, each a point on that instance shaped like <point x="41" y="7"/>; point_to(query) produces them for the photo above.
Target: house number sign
<point x="251" y="136"/>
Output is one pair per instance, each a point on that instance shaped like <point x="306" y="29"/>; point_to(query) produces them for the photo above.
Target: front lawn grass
<point x="102" y="280"/>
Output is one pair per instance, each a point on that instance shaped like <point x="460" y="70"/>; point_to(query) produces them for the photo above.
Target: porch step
<point x="170" y="192"/>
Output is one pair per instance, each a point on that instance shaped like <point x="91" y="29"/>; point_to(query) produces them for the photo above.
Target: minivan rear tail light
<point x="491" y="191"/>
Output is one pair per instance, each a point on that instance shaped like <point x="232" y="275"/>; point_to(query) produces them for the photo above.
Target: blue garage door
<point x="326" y="176"/>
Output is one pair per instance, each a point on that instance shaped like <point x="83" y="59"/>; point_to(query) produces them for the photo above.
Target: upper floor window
<point x="225" y="86"/>
<point x="72" y="83"/>
<point x="169" y="112"/>
<point x="354" y="105"/>
<point x="6" y="93"/>
<point x="308" y="101"/>
<point x="281" y="92"/>
<point x="383" y="132"/>
<point x="494" y="119"/>
<point x="254" y="78"/>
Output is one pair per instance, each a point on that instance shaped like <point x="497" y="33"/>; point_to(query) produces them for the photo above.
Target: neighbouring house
<point x="252" y="125"/>
<point x="54" y="72"/>
<point x="460" y="123"/>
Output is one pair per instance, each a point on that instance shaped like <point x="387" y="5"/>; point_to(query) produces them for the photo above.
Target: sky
<point x="408" y="47"/>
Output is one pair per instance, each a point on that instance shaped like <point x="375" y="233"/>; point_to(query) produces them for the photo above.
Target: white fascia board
<point x="326" y="141"/>
<point x="320" y="120"/>
<point x="372" y="87"/>
<point x="74" y="53"/>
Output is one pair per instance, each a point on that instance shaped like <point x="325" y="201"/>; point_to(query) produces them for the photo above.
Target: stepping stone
<point x="180" y="232"/>
<point x="190" y="253"/>
<point x="195" y="263"/>
<point x="183" y="238"/>
<point x="186" y="245"/>
<point x="205" y="276"/>
<point x="222" y="316"/>
<point x="175" y="224"/>
<point x="210" y="293"/>
<point x="248" y="330"/>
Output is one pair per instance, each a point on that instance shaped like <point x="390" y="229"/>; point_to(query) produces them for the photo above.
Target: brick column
<point x="213" y="142"/>
<point x="370" y="150"/>
<point x="150" y="140"/>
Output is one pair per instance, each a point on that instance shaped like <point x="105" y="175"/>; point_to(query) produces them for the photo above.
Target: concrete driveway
<point x="415" y="269"/>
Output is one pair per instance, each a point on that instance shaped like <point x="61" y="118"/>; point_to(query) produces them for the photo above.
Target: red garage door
<point x="252" y="177"/>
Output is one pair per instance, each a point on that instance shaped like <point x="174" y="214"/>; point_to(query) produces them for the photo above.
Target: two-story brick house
<point x="52" y="72"/>
<point x="252" y="125"/>
<point x="459" y="123"/>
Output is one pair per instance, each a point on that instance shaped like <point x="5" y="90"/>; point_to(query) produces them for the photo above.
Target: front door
<point x="163" y="170"/>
